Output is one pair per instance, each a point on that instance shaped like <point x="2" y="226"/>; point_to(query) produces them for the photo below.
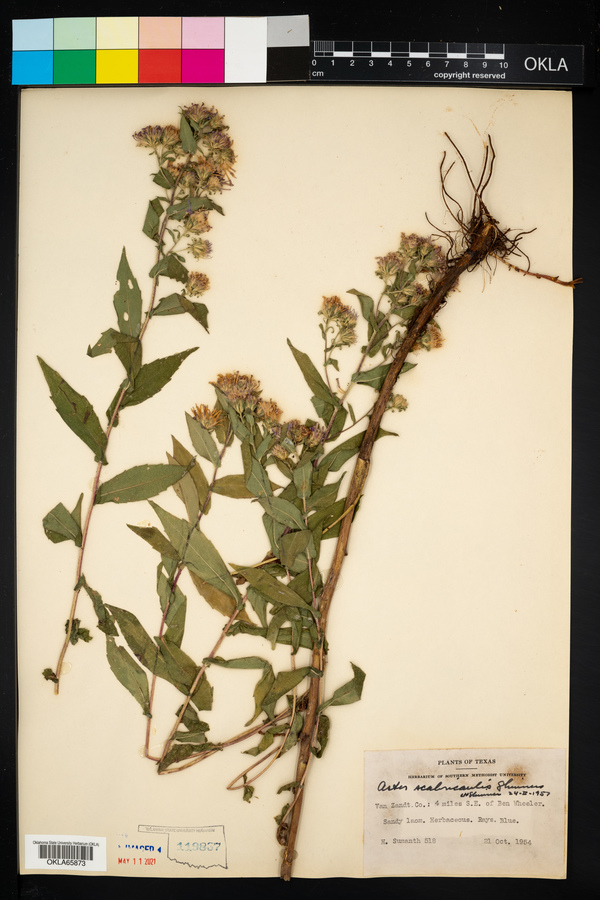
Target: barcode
<point x="65" y="851"/>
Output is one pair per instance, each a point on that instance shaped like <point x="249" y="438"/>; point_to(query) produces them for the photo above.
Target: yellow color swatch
<point x="117" y="67"/>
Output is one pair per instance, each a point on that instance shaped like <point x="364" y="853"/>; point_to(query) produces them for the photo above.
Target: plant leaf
<point x="128" y="673"/>
<point x="128" y="299"/>
<point x="283" y="684"/>
<point x="196" y="473"/>
<point x="153" y="215"/>
<point x="293" y="544"/>
<point x="105" y="620"/>
<point x="76" y="411"/>
<point x="201" y="555"/>
<point x="198" y="311"/>
<point x="202" y="441"/>
<point x="322" y="735"/>
<point x="367" y="306"/>
<point x="350" y="692"/>
<point x="59" y="525"/>
<point x="170" y="267"/>
<point x="138" y="640"/>
<point x="282" y="511"/>
<point x="188" y="141"/>
<point x="233" y="486"/>
<point x="274" y="590"/>
<point x="156" y="539"/>
<point x="169" y="306"/>
<point x="312" y="377"/>
<point x="376" y="376"/>
<point x="139" y="483"/>
<point x="152" y="377"/>
<point x="217" y="599"/>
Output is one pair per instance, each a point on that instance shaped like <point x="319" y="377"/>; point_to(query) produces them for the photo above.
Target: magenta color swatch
<point x="202" y="66"/>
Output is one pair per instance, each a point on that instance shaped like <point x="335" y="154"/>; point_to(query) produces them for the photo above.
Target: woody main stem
<point x="359" y="476"/>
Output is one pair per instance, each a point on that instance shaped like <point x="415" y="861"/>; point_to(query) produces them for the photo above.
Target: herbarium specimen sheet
<point x="454" y="596"/>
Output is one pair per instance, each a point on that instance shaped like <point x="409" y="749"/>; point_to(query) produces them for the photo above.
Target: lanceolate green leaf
<point x="128" y="299"/>
<point x="169" y="306"/>
<point x="282" y="511"/>
<point x="76" y="411"/>
<point x="108" y="341"/>
<point x="171" y="267"/>
<point x="188" y="141"/>
<point x="60" y="525"/>
<point x="376" y="376"/>
<point x="292" y="544"/>
<point x="105" y="620"/>
<point x="139" y="483"/>
<point x="184" y="458"/>
<point x="233" y="486"/>
<point x="202" y="556"/>
<point x="274" y="590"/>
<point x="312" y="377"/>
<point x="283" y="684"/>
<point x="203" y="441"/>
<point x="153" y="216"/>
<point x="128" y="673"/>
<point x="139" y="641"/>
<point x="156" y="539"/>
<point x="198" y="311"/>
<point x="152" y="377"/>
<point x="217" y="599"/>
<point x="350" y="692"/>
<point x="366" y="305"/>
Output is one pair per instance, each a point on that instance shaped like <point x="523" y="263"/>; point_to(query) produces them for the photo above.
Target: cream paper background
<point x="455" y="595"/>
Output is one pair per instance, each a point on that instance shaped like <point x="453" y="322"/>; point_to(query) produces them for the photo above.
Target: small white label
<point x="65" y="853"/>
<point x="198" y="847"/>
<point x="465" y="812"/>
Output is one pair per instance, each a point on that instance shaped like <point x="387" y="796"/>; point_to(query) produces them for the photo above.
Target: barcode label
<point x="65" y="852"/>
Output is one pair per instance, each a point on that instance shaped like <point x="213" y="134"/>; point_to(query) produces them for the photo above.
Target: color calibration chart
<point x="160" y="50"/>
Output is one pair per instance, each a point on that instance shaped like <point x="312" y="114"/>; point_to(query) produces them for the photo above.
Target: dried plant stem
<point x="96" y="482"/>
<point x="481" y="246"/>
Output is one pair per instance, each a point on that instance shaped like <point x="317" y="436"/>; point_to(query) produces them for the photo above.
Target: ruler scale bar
<point x="453" y="63"/>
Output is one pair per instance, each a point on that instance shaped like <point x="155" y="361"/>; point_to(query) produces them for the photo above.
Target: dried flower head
<point x="332" y="309"/>
<point x="197" y="284"/>
<point x="209" y="418"/>
<point x="269" y="411"/>
<point x="150" y="136"/>
<point x="388" y="265"/>
<point x="397" y="403"/>
<point x="200" y="249"/>
<point x="242" y="391"/>
<point x="430" y="339"/>
<point x="279" y="452"/>
<point x="197" y="222"/>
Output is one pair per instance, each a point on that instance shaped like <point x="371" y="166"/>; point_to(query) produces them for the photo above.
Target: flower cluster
<point x="411" y="270"/>
<point x="430" y="339"/>
<point x="292" y="435"/>
<point x="341" y="317"/>
<point x="196" y="162"/>
<point x="210" y="169"/>
<point x="197" y="284"/>
<point x="208" y="418"/>
<point x="397" y="403"/>
<point x="242" y="391"/>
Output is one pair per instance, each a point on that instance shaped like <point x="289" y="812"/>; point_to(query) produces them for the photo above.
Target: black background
<point x="498" y="21"/>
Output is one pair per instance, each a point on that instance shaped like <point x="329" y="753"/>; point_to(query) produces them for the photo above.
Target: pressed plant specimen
<point x="294" y="471"/>
<point x="195" y="163"/>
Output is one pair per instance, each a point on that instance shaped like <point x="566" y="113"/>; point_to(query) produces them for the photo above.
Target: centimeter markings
<point x="447" y="63"/>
